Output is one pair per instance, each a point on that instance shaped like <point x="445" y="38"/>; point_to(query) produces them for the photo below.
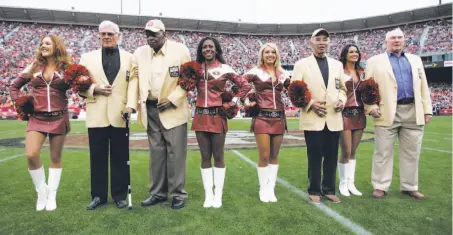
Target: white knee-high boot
<point x="273" y="172"/>
<point x="39" y="180"/>
<point x="263" y="177"/>
<point x="53" y="183"/>
<point x="219" y="180"/>
<point x="351" y="176"/>
<point x="207" y="177"/>
<point x="343" y="172"/>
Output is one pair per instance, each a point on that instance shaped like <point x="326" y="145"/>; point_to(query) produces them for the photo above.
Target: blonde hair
<point x="277" y="63"/>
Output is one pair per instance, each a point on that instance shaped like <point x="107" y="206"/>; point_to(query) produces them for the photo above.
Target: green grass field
<point x="242" y="212"/>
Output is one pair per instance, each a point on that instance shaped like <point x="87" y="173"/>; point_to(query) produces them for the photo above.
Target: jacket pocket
<point x="90" y="101"/>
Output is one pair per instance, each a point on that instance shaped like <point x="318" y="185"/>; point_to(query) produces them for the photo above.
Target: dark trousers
<point x="322" y="144"/>
<point x="102" y="140"/>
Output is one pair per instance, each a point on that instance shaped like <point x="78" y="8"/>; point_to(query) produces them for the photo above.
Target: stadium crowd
<point x="18" y="41"/>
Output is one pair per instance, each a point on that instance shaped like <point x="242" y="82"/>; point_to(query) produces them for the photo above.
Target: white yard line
<point x="355" y="228"/>
<point x="11" y="157"/>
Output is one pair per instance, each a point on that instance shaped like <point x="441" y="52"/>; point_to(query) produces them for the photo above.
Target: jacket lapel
<point x="145" y="68"/>
<point x="121" y="72"/>
<point x="388" y="65"/>
<point x="416" y="72"/>
<point x="316" y="71"/>
<point x="98" y="60"/>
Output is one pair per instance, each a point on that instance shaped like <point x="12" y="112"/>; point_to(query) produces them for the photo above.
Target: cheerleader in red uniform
<point x="353" y="118"/>
<point x="213" y="107"/>
<point x="49" y="115"/>
<point x="269" y="121"/>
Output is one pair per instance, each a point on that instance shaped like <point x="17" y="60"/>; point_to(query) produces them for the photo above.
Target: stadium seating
<point x="18" y="43"/>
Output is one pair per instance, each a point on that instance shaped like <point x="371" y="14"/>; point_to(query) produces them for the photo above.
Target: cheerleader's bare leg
<point x="343" y="164"/>
<point x="356" y="137"/>
<point x="205" y="144"/>
<point x="218" y="143"/>
<point x="276" y="141"/>
<point x="33" y="144"/>
<point x="56" y="149"/>
<point x="263" y="141"/>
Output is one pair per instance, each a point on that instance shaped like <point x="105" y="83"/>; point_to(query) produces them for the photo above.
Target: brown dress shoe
<point x="332" y="198"/>
<point x="314" y="199"/>
<point x="379" y="194"/>
<point x="415" y="194"/>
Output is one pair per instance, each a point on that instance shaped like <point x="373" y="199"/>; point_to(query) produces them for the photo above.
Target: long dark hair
<point x="218" y="50"/>
<point x="344" y="54"/>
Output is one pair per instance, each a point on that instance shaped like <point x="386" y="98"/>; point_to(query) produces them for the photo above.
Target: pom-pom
<point x="299" y="94"/>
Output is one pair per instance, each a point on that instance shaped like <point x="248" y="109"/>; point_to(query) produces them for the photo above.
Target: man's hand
<point x="319" y="108"/>
<point x="428" y="118"/>
<point x="251" y="104"/>
<point x="376" y="113"/>
<point x="165" y="104"/>
<point x="339" y="106"/>
<point x="129" y="111"/>
<point x="226" y="105"/>
<point x="104" y="90"/>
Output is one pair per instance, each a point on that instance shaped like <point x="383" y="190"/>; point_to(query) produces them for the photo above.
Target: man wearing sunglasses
<point x="163" y="112"/>
<point x="105" y="102"/>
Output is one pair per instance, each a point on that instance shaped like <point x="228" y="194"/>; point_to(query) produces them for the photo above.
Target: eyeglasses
<point x="103" y="34"/>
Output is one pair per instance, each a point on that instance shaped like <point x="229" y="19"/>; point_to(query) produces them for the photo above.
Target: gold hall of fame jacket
<point x="103" y="111"/>
<point x="307" y="70"/>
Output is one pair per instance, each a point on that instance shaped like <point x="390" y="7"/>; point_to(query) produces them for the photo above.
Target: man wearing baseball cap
<point x="163" y="112"/>
<point x="321" y="118"/>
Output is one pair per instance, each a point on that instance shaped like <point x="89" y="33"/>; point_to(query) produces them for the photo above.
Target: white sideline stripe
<point x="436" y="150"/>
<point x="355" y="228"/>
<point x="430" y="140"/>
<point x="11" y="157"/>
<point x="437" y="133"/>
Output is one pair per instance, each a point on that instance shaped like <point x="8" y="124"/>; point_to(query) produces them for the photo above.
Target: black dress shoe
<point x="121" y="204"/>
<point x="153" y="200"/>
<point x="96" y="203"/>
<point x="177" y="204"/>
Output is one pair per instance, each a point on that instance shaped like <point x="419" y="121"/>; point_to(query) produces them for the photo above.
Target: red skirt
<point x="50" y="124"/>
<point x="271" y="122"/>
<point x="208" y="120"/>
<point x="354" y="118"/>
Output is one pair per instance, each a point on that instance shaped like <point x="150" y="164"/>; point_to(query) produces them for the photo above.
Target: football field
<point x="242" y="211"/>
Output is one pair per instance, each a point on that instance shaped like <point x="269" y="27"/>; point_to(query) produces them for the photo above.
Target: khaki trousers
<point x="410" y="137"/>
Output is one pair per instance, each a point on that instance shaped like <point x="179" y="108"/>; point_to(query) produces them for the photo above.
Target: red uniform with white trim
<point x="271" y="118"/>
<point x="49" y="102"/>
<point x="353" y="113"/>
<point x="210" y="89"/>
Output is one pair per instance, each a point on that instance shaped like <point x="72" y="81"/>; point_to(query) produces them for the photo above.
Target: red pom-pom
<point x="24" y="107"/>
<point x="190" y="73"/>
<point x="369" y="92"/>
<point x="78" y="77"/>
<point x="186" y="84"/>
<point x="229" y="113"/>
<point x="299" y="94"/>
